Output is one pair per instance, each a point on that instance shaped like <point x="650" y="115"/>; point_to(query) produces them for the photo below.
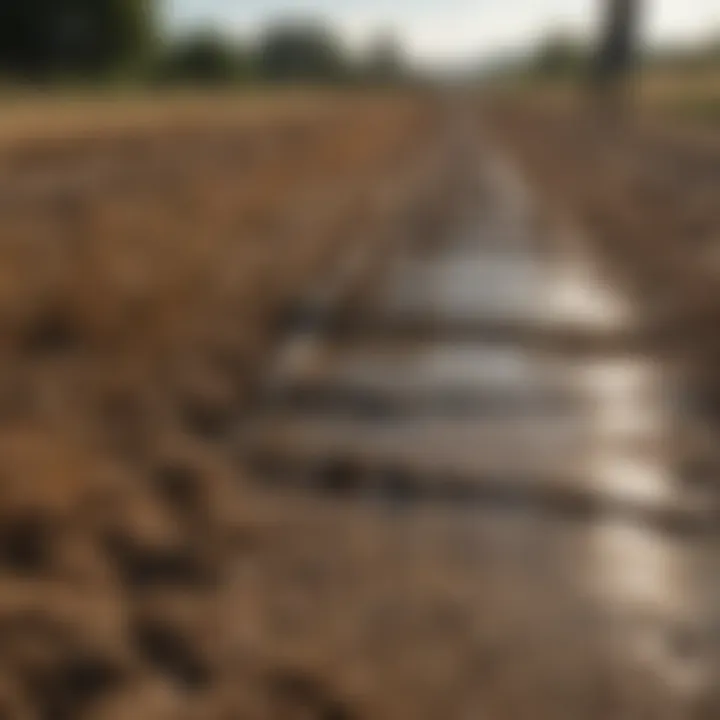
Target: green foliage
<point x="383" y="62"/>
<point x="80" y="40"/>
<point x="560" y="56"/>
<point x="43" y="40"/>
<point x="301" y="52"/>
<point x="204" y="57"/>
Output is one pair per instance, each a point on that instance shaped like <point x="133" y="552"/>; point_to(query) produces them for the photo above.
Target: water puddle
<point x="590" y="433"/>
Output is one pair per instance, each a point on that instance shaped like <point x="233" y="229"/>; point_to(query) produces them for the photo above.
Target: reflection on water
<point x="629" y="427"/>
<point x="650" y="584"/>
<point x="576" y="297"/>
<point x="571" y="430"/>
<point x="652" y="587"/>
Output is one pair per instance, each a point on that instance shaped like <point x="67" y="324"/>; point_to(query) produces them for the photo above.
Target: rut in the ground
<point x="494" y="373"/>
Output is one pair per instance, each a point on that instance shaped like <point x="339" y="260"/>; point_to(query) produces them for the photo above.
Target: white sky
<point x="450" y="31"/>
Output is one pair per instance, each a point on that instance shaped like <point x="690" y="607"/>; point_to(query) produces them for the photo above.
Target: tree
<point x="301" y="52"/>
<point x="560" y="55"/>
<point x="47" y="39"/>
<point x="617" y="47"/>
<point x="383" y="61"/>
<point x="204" y="57"/>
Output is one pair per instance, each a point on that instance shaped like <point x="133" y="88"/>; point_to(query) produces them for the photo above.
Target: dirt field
<point x="147" y="269"/>
<point x="45" y="115"/>
<point x="149" y="264"/>
<point x="681" y="96"/>
<point x="691" y="96"/>
<point x="645" y="191"/>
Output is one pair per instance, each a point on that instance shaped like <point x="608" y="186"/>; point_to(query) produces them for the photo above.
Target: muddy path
<point x="481" y="414"/>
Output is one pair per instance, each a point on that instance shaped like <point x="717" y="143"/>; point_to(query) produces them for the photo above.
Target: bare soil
<point x="646" y="194"/>
<point x="146" y="272"/>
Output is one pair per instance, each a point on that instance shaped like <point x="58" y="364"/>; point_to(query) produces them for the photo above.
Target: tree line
<point x="44" y="41"/>
<point x="607" y="61"/>
<point x="619" y="50"/>
<point x="307" y="52"/>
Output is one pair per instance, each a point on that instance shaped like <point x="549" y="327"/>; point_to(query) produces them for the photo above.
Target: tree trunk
<point x="617" y="50"/>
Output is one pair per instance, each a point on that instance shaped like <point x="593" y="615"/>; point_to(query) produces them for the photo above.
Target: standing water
<point x="487" y="376"/>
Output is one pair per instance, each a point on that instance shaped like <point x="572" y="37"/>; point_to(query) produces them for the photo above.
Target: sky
<point x="450" y="31"/>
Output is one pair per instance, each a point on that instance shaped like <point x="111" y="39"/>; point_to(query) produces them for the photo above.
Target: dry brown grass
<point x="42" y="116"/>
<point x="692" y="96"/>
<point x="144" y="275"/>
<point x="687" y="98"/>
<point x="646" y="192"/>
<point x="144" y="259"/>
